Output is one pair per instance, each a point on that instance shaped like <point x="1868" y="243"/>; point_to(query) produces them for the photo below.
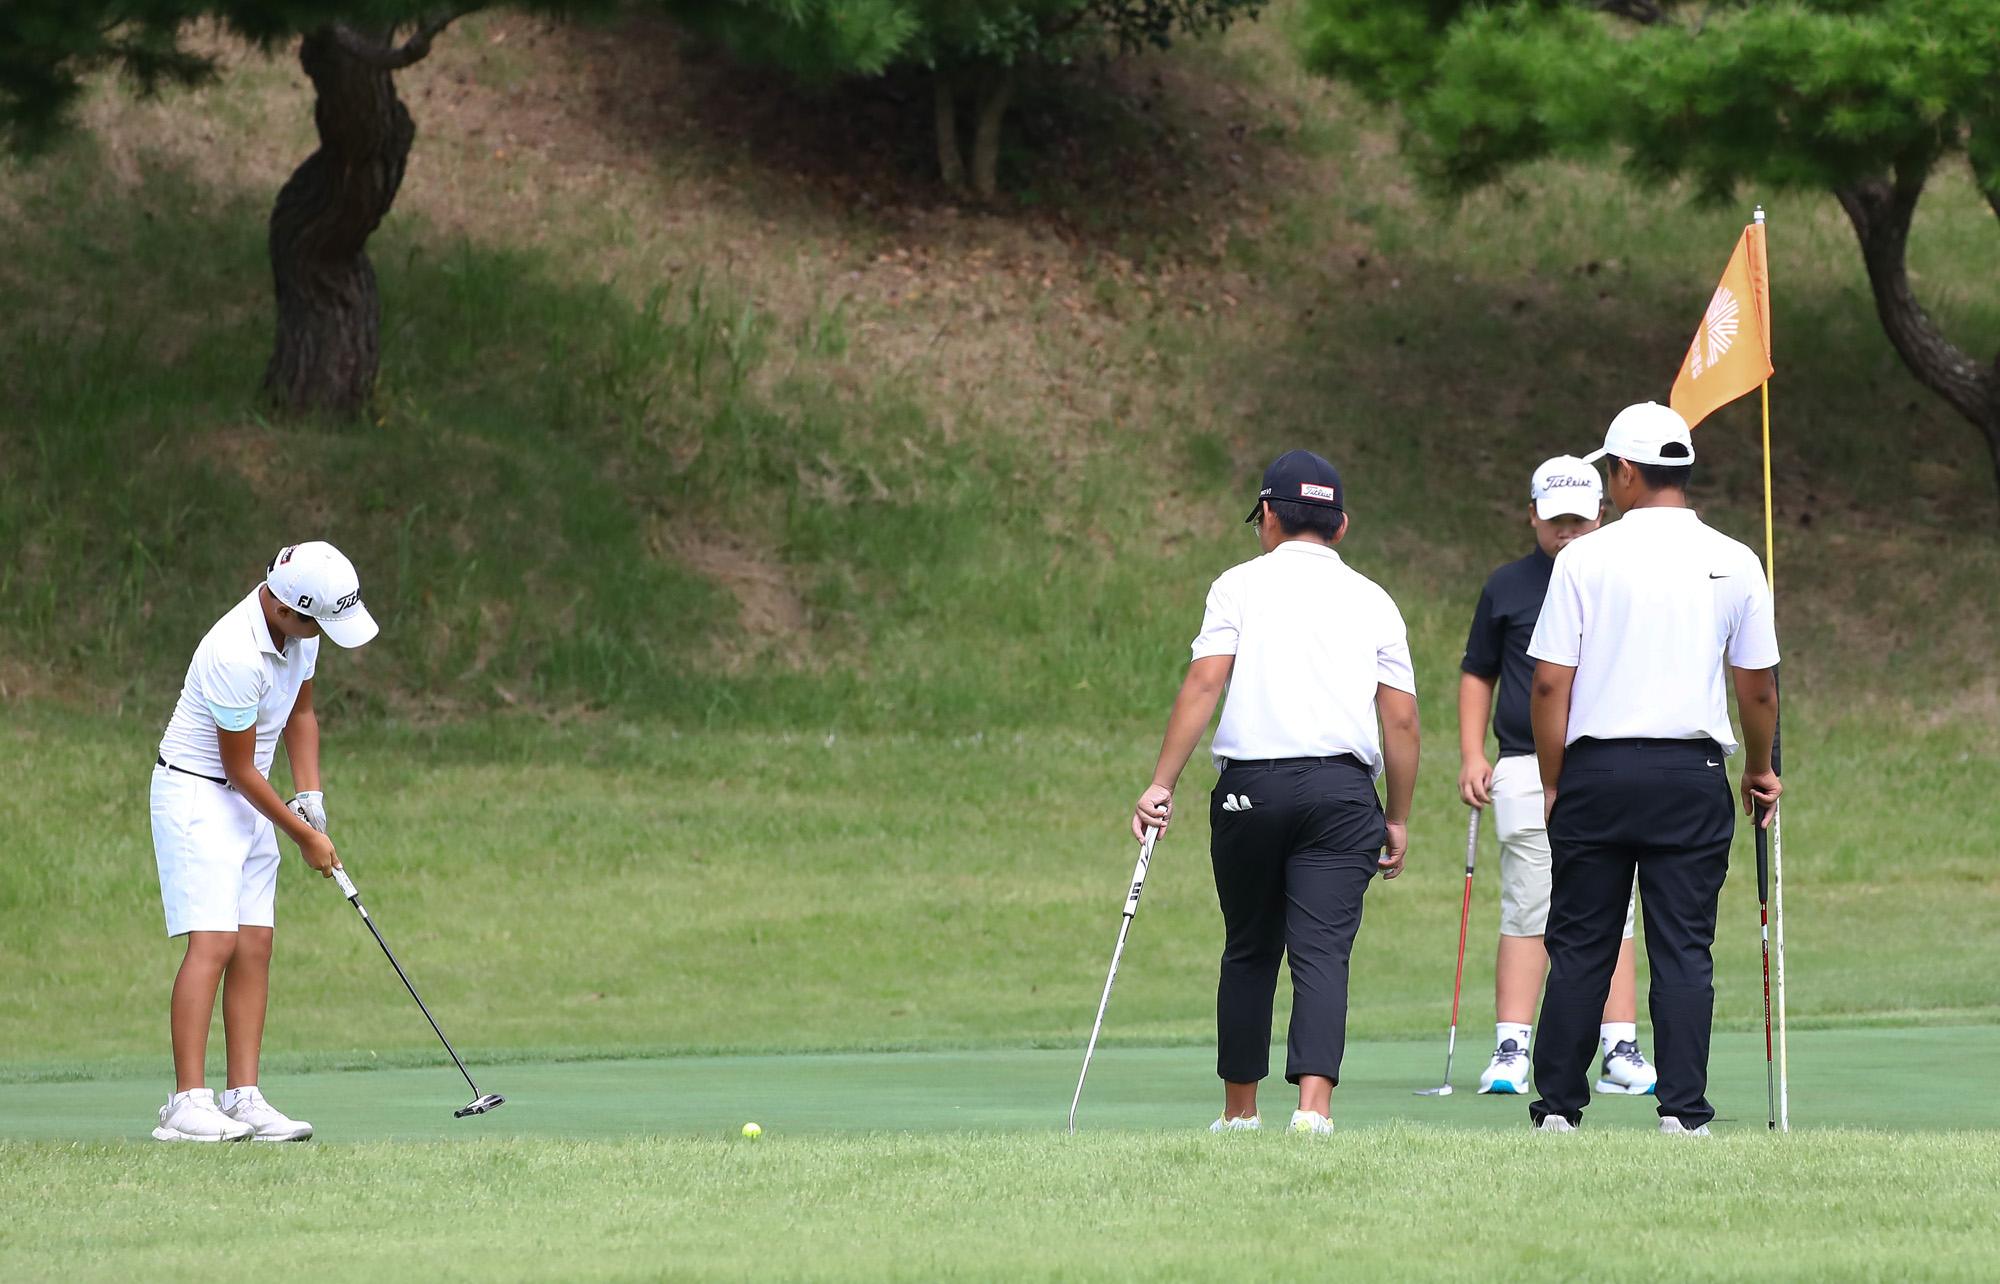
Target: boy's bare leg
<point x="1622" y="1004"/>
<point x="1518" y="972"/>
<point x="1523" y="963"/>
<point x="193" y="1003"/>
<point x="245" y="995"/>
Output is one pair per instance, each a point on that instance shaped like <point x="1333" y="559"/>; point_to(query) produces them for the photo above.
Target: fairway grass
<point x="1400" y="1203"/>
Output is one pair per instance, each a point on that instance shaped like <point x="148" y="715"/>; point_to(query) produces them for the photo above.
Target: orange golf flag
<point x="1731" y="352"/>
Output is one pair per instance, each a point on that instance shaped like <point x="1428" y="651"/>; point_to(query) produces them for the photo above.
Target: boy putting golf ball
<point x="216" y="819"/>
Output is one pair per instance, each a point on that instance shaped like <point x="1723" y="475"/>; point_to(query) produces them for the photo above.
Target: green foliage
<point x="818" y="40"/>
<point x="47" y="46"/>
<point x="1798" y="94"/>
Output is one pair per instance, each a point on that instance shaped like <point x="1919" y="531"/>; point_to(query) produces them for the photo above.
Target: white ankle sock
<point x="1613" y="1033"/>
<point x="1515" y="1030"/>
<point x="230" y="1096"/>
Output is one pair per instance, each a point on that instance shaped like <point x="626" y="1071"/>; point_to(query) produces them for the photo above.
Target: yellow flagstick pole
<point x="1777" y="821"/>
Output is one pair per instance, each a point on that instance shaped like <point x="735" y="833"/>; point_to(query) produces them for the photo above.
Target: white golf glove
<point x="310" y="806"/>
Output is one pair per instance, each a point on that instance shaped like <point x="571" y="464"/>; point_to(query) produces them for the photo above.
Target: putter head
<point x="1442" y="1090"/>
<point x="481" y="1106"/>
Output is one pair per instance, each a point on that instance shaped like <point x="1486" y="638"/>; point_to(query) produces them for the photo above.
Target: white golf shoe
<point x="1626" y="1071"/>
<point x="1555" y="1123"/>
<point x="1311" y="1123"/>
<point x="193" y="1116"/>
<point x="1671" y="1126"/>
<point x="1242" y="1123"/>
<point x="1507" y="1073"/>
<point x="248" y="1107"/>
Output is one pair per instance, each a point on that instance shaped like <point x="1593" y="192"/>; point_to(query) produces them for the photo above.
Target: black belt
<point x="185" y="772"/>
<point x="1703" y="743"/>
<point x="1338" y="760"/>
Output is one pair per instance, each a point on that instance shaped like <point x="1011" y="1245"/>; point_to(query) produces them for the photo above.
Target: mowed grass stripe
<point x="1904" y="1080"/>
<point x="1401" y="1203"/>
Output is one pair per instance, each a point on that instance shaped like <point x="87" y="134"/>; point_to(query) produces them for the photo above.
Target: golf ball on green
<point x="752" y="1131"/>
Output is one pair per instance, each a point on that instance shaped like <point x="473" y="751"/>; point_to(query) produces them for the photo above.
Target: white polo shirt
<point x="238" y="678"/>
<point x="1312" y="638"/>
<point x="1646" y="610"/>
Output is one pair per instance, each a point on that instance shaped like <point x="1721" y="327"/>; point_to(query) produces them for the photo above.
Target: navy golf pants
<point x="1660" y="809"/>
<point x="1293" y="844"/>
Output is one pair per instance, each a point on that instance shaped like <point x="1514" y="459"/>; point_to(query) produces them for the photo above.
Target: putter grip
<point x="346" y="884"/>
<point x="1139" y="872"/>
<point x="1763" y="855"/>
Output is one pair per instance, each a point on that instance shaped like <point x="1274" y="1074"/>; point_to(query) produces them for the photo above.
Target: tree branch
<point x="1881" y="209"/>
<point x="1644" y="12"/>
<point x="395" y="57"/>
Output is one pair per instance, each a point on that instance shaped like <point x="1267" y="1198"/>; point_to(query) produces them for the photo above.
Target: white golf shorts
<point x="218" y="858"/>
<point x="1524" y="849"/>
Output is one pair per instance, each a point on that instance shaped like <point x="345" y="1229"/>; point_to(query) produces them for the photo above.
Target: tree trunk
<point x="329" y="312"/>
<point x="951" y="166"/>
<point x="1881" y="209"/>
<point x="995" y="89"/>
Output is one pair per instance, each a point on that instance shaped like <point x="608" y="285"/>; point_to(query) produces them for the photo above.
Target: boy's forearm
<point x="1402" y="740"/>
<point x="301" y="738"/>
<point x="1475" y="712"/>
<point x="1548" y="710"/>
<point x="1757" y="705"/>
<point x="1193" y="707"/>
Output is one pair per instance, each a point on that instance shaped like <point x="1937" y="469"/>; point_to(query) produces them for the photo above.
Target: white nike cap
<point x="315" y="579"/>
<point x="1566" y="485"/>
<point x="1648" y="433"/>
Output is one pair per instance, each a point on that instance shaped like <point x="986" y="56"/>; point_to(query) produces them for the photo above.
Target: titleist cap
<point x="315" y="579"/>
<point x="1648" y="433"/>
<point x="1567" y="485"/>
<point x="1303" y="478"/>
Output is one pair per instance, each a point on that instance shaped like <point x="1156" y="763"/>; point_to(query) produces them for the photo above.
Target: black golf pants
<point x="1294" y="844"/>
<point x="1662" y="808"/>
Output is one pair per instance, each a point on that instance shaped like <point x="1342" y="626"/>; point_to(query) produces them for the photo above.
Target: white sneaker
<point x="1626" y="1071"/>
<point x="1242" y="1123"/>
<point x="193" y="1116"/>
<point x="247" y="1106"/>
<point x="1671" y="1125"/>
<point x="1507" y="1073"/>
<point x="1555" y="1123"/>
<point x="1311" y="1123"/>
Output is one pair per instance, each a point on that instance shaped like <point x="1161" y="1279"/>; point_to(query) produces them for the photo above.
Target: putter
<point x="481" y="1102"/>
<point x="1131" y="908"/>
<point x="1458" y="979"/>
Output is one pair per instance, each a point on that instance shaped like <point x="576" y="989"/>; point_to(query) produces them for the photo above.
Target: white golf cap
<point x="1648" y="433"/>
<point x="1567" y="485"/>
<point x="315" y="579"/>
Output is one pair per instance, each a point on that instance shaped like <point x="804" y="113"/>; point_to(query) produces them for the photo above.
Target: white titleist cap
<point x="1648" y="433"/>
<point x="315" y="579"/>
<point x="1567" y="485"/>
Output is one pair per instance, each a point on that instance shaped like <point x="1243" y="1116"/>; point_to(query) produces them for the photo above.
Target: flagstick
<point x="1777" y="819"/>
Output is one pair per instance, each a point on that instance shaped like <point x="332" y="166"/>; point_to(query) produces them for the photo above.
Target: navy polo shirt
<point x="1502" y="626"/>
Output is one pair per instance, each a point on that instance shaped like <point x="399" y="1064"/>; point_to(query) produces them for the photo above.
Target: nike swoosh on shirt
<point x="1712" y="575"/>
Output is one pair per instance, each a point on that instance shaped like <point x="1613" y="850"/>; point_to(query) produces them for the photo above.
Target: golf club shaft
<point x="1124" y="929"/>
<point x="354" y="898"/>
<point x="1464" y="920"/>
<point x="1764" y="925"/>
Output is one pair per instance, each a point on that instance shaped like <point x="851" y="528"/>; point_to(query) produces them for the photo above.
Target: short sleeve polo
<point x="1647" y="610"/>
<point x="239" y="678"/>
<point x="1497" y="646"/>
<point x="1312" y="639"/>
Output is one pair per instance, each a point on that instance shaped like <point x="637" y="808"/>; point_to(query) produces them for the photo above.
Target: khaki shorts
<point x="1524" y="849"/>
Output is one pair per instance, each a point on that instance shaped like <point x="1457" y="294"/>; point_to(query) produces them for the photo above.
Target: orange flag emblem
<point x="1731" y="352"/>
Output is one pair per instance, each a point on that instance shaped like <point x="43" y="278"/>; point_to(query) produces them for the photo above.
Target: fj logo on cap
<point x="1313" y="490"/>
<point x="305" y="601"/>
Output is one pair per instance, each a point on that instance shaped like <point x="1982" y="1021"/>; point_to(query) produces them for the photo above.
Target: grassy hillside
<point x="784" y="571"/>
<point x="700" y="400"/>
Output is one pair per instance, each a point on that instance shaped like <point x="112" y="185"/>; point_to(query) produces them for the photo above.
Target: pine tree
<point x="1863" y="100"/>
<point x="970" y="47"/>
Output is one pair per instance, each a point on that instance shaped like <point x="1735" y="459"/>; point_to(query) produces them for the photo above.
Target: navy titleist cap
<point x="1303" y="478"/>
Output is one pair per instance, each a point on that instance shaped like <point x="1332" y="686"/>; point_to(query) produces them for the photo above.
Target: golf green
<point x="1898" y="1079"/>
